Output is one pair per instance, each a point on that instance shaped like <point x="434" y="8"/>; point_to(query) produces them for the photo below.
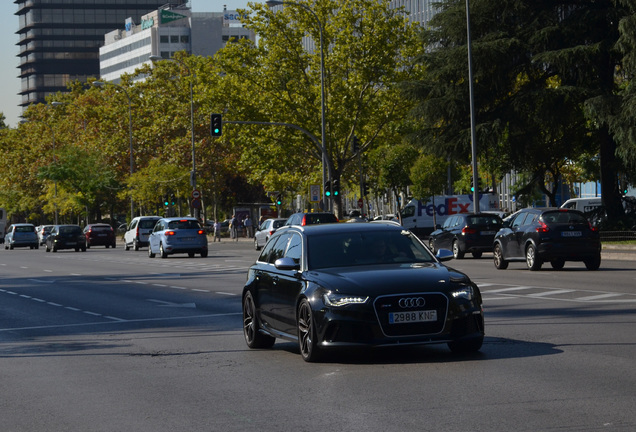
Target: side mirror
<point x="444" y="255"/>
<point x="287" y="263"/>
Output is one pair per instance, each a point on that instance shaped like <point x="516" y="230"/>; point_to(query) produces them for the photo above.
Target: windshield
<point x="365" y="248"/>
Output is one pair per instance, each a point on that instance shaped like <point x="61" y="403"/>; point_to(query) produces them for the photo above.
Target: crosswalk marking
<point x="491" y="292"/>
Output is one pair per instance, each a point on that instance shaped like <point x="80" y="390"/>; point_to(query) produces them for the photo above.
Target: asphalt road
<point x="111" y="340"/>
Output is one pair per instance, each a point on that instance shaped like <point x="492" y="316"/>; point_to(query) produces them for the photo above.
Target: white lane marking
<point x="225" y="293"/>
<point x="600" y="296"/>
<point x="549" y="293"/>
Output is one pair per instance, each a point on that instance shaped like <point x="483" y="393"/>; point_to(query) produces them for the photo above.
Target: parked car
<point x="330" y="286"/>
<point x="43" y="232"/>
<point x="136" y="236"/>
<point x="538" y="235"/>
<point x="462" y="233"/>
<point x="303" y="219"/>
<point x="178" y="235"/>
<point x="66" y="237"/>
<point x="99" y="235"/>
<point x="21" y="235"/>
<point x="265" y="231"/>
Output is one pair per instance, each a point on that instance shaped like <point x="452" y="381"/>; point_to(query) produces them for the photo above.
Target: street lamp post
<point x="473" y="134"/>
<point x="193" y="176"/>
<point x="130" y="130"/>
<point x="271" y="3"/>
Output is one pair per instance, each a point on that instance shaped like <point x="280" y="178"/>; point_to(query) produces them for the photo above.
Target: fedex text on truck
<point x="450" y="206"/>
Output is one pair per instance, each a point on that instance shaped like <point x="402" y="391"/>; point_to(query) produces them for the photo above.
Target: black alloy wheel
<point x="307" y="342"/>
<point x="253" y="337"/>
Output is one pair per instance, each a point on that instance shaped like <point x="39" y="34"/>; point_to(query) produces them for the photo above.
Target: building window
<point x="164" y="39"/>
<point x="174" y="39"/>
<point x="185" y="39"/>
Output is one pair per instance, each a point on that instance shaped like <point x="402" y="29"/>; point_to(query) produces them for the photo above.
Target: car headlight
<point x="338" y="300"/>
<point x="464" y="293"/>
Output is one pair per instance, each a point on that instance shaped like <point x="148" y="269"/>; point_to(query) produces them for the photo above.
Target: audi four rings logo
<point x="411" y="302"/>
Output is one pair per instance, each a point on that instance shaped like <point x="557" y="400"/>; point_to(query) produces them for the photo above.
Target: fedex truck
<point x="421" y="216"/>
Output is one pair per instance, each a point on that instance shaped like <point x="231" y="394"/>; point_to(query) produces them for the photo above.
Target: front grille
<point x="390" y="304"/>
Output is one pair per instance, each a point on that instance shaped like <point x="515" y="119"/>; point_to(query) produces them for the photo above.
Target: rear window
<point x="278" y="223"/>
<point x="24" y="229"/>
<point x="70" y="230"/>
<point x="564" y="217"/>
<point x="319" y="218"/>
<point x="184" y="224"/>
<point x="101" y="228"/>
<point x="147" y="223"/>
<point x="483" y="220"/>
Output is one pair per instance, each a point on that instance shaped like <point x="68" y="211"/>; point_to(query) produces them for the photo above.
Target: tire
<point x="88" y="245"/>
<point x="593" y="263"/>
<point x="477" y="255"/>
<point x="162" y="251"/>
<point x="431" y="245"/>
<point x="532" y="260"/>
<point x="135" y="245"/>
<point x="46" y="248"/>
<point x="10" y="247"/>
<point x="307" y="341"/>
<point x="77" y="249"/>
<point x="126" y="247"/>
<point x="467" y="346"/>
<point x="114" y="245"/>
<point x="500" y="262"/>
<point x="54" y="249"/>
<point x="204" y="254"/>
<point x="150" y="254"/>
<point x="190" y="254"/>
<point x="558" y="263"/>
<point x="253" y="337"/>
<point x="457" y="252"/>
<point x="256" y="246"/>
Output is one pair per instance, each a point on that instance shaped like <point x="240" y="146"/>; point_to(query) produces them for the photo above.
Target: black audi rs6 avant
<point x="367" y="284"/>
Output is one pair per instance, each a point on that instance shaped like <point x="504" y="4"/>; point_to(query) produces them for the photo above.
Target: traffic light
<point x="172" y="201"/>
<point x="355" y="144"/>
<point x="328" y="188"/>
<point x="166" y="203"/>
<point x="365" y="189"/>
<point x="335" y="188"/>
<point x="279" y="199"/>
<point x="216" y="125"/>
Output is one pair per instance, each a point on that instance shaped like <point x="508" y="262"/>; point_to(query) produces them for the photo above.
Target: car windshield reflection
<point x="363" y="248"/>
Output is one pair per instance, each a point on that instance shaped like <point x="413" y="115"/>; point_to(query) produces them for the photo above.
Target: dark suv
<point x="463" y="233"/>
<point x="311" y="218"/>
<point x="66" y="237"/>
<point x="99" y="235"/>
<point x="537" y="235"/>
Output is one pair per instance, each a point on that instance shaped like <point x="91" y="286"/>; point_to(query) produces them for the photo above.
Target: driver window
<point x="295" y="248"/>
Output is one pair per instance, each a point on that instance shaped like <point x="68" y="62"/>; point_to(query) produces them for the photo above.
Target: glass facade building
<point x="60" y="40"/>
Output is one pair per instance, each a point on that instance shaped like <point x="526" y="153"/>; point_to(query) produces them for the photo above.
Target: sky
<point x="9" y="67"/>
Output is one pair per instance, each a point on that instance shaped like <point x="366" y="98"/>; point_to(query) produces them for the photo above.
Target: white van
<point x="584" y="205"/>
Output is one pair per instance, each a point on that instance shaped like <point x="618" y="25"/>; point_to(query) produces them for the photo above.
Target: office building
<point x="164" y="32"/>
<point x="60" y="40"/>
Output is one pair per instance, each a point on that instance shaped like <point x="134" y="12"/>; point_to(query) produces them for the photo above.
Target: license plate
<point x="102" y="235"/>
<point x="488" y="233"/>
<point x="70" y="243"/>
<point x="187" y="239"/>
<point x="571" y="234"/>
<point x="412" y="317"/>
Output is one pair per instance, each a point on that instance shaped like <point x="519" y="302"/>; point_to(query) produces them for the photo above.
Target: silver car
<point x="265" y="231"/>
<point x="178" y="235"/>
<point x="21" y="235"/>
<point x="136" y="235"/>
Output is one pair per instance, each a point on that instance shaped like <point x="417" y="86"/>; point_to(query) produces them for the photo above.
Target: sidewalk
<point x="625" y="252"/>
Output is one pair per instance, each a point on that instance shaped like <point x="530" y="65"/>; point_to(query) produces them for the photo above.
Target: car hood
<point x="383" y="279"/>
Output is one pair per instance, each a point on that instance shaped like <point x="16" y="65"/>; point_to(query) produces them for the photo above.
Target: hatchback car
<point x="66" y="237"/>
<point x="99" y="235"/>
<point x="136" y="236"/>
<point x="43" y="232"/>
<point x="349" y="285"/>
<point x="265" y="231"/>
<point x="462" y="233"/>
<point x="21" y="235"/>
<point x="303" y="219"/>
<point x="538" y="235"/>
<point x="177" y="235"/>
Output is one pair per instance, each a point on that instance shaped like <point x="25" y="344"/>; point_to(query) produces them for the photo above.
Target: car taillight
<point x="469" y="230"/>
<point x="272" y="231"/>
<point x="170" y="233"/>
<point x="592" y="228"/>
<point x="137" y="232"/>
<point x="542" y="228"/>
<point x="201" y="232"/>
<point x="304" y="221"/>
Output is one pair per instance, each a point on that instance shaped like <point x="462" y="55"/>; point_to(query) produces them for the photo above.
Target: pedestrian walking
<point x="248" y="226"/>
<point x="234" y="228"/>
<point x="217" y="230"/>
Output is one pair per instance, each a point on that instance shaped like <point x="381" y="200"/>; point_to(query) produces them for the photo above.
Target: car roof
<point x="148" y="217"/>
<point x="321" y="229"/>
